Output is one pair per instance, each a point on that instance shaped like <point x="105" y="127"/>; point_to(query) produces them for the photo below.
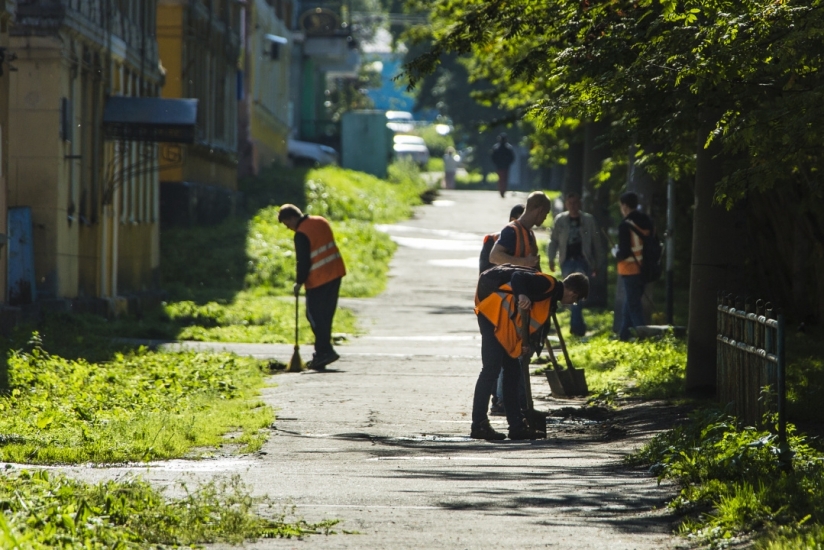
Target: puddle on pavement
<point x="420" y="243"/>
<point x="442" y="202"/>
<point x="439" y="232"/>
<point x="472" y="458"/>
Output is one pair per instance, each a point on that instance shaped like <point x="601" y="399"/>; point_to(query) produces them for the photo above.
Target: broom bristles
<point x="295" y="364"/>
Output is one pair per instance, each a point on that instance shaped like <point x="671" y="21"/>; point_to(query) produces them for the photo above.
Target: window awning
<point x="150" y="119"/>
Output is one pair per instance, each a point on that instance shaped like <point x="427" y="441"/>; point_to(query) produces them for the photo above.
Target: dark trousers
<point x="494" y="358"/>
<point x="632" y="314"/>
<point x="321" y="303"/>
<point x="503" y="180"/>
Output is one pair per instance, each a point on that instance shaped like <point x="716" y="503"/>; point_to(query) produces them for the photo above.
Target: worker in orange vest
<point x="320" y="268"/>
<point x="517" y="245"/>
<point x="515" y="290"/>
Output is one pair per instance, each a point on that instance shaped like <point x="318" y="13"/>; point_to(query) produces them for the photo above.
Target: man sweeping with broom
<point x="320" y="268"/>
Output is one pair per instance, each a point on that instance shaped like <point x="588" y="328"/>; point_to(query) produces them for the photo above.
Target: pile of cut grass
<point x="42" y="510"/>
<point x="137" y="406"/>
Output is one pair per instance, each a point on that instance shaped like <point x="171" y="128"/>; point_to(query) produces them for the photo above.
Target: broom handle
<point x="297" y="306"/>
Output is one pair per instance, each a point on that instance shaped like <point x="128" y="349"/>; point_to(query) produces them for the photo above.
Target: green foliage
<point x="736" y="479"/>
<point x="435" y="142"/>
<point x="237" y="291"/>
<point x="138" y="406"/>
<point x="652" y="369"/>
<point x="42" y="510"/>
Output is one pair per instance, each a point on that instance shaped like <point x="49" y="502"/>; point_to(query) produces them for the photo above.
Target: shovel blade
<point x="579" y="382"/>
<point x="556" y="387"/>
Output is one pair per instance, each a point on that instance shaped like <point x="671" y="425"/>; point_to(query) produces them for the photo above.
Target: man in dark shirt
<point x="629" y="253"/>
<point x="528" y="288"/>
<point x="320" y="268"/>
<point x="502" y="155"/>
<point x="492" y="238"/>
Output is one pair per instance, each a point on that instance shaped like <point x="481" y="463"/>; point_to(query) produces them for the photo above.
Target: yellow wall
<point x="170" y="48"/>
<point x="199" y="163"/>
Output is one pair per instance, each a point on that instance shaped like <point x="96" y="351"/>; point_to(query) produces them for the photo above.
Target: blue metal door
<point x="21" y="257"/>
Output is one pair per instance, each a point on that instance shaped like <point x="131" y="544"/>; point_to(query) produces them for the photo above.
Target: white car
<point x="303" y="153"/>
<point x="400" y="121"/>
<point x="412" y="147"/>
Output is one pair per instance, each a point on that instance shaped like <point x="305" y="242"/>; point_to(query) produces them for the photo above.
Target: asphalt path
<point x="380" y="441"/>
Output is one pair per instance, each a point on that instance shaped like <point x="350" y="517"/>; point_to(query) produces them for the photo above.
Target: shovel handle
<point x="524" y="360"/>
<point x="561" y="339"/>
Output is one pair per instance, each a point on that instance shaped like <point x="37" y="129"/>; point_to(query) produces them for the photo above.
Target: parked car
<point x="400" y="121"/>
<point x="412" y="147"/>
<point x="306" y="153"/>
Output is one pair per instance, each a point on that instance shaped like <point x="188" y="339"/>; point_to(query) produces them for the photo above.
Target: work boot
<point x="320" y="362"/>
<point x="486" y="432"/>
<point x="525" y="432"/>
<point x="497" y="409"/>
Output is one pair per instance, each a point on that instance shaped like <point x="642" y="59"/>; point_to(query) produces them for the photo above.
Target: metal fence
<point x="750" y="360"/>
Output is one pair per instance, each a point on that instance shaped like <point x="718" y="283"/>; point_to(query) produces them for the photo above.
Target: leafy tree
<point x="728" y="89"/>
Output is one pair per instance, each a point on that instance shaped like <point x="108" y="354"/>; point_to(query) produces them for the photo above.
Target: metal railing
<point x="750" y="359"/>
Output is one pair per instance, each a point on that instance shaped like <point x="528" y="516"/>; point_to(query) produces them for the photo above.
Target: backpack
<point x="651" y="268"/>
<point x="491" y="279"/>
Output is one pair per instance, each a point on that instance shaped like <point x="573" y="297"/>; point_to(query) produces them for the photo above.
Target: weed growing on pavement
<point x="44" y="510"/>
<point x="733" y="479"/>
<point x="138" y="406"/>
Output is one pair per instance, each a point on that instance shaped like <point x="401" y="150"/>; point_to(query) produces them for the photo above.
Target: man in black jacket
<point x="630" y="255"/>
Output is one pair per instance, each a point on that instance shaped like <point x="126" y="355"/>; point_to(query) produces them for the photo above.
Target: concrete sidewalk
<point x="380" y="441"/>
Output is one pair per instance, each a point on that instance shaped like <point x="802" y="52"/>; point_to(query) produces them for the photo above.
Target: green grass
<point x="737" y="480"/>
<point x="41" y="510"/>
<point x="138" y="406"/>
<point x="240" y="291"/>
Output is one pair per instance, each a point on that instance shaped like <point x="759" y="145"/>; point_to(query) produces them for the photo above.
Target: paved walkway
<point x="380" y="441"/>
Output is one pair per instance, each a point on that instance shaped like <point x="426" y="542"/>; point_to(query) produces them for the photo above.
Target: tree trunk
<point x="596" y="202"/>
<point x="716" y="261"/>
<point x="574" y="173"/>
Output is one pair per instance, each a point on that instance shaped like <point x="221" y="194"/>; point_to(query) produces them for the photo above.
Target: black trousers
<point x="321" y="303"/>
<point x="494" y="359"/>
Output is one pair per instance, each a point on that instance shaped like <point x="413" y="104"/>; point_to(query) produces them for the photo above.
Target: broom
<point x="295" y="364"/>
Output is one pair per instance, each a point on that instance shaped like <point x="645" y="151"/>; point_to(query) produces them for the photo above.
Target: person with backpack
<point x="504" y="292"/>
<point x="632" y="232"/>
<point x="517" y="244"/>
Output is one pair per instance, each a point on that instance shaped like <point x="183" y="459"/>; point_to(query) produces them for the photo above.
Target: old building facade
<point x="199" y="42"/>
<point x="94" y="202"/>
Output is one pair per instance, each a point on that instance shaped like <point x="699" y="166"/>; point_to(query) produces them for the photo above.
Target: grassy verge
<point x="137" y="406"/>
<point x="41" y="510"/>
<point x="733" y="481"/>
<point x="240" y="291"/>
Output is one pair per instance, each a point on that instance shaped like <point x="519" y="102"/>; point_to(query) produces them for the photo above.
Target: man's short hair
<point x="289" y="211"/>
<point x="629" y="199"/>
<point x="579" y="284"/>
<point x="573" y="195"/>
<point x="516" y="211"/>
<point x="536" y="200"/>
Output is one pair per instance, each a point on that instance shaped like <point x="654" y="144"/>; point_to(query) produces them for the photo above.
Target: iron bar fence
<point x="750" y="361"/>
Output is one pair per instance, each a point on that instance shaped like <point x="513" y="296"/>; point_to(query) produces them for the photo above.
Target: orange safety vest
<point x="326" y="262"/>
<point x="501" y="309"/>
<point x="525" y="244"/>
<point x="628" y="266"/>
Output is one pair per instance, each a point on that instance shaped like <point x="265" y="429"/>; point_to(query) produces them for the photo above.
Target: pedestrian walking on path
<point x="450" y="167"/>
<point x="502" y="155"/>
<point x="320" y="268"/>
<point x="513" y="290"/>
<point x="574" y="241"/>
<point x="517" y="245"/>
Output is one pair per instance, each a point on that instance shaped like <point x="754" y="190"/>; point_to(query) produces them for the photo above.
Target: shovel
<point x="535" y="419"/>
<point x="570" y="382"/>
